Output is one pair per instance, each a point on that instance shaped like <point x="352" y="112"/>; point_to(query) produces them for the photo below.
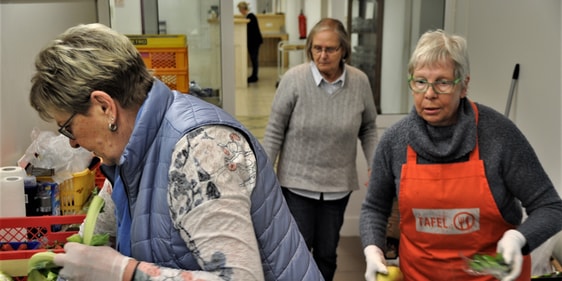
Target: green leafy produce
<point x="489" y="264"/>
<point x="97" y="239"/>
<point x="41" y="266"/>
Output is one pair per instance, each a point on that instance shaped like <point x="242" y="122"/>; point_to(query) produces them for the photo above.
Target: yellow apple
<point x="394" y="274"/>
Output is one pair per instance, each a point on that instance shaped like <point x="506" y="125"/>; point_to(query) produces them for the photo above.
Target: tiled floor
<point x="252" y="109"/>
<point x="253" y="104"/>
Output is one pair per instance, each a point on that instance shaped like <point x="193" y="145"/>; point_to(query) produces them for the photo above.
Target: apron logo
<point x="464" y="221"/>
<point x="447" y="221"/>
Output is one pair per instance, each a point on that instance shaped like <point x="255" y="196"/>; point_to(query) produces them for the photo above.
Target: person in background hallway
<point x="320" y="109"/>
<point x="254" y="39"/>
<point x="461" y="172"/>
<point x="195" y="196"/>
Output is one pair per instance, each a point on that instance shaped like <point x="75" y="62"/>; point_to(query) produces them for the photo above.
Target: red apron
<point x="447" y="210"/>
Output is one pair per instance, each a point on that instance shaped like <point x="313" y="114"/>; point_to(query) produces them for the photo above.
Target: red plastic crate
<point x="100" y="178"/>
<point x="28" y="229"/>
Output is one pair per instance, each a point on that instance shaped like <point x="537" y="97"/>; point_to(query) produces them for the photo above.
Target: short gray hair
<point x="83" y="59"/>
<point x="335" y="26"/>
<point x="437" y="46"/>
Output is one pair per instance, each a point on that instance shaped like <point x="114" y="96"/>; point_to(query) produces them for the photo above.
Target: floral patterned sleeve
<point x="212" y="176"/>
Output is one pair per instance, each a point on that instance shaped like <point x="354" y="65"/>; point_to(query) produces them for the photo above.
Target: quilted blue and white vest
<point x="166" y="116"/>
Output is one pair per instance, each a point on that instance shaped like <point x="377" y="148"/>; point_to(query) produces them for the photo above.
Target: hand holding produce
<point x="394" y="274"/>
<point x="42" y="266"/>
<point x="376" y="263"/>
<point x="509" y="247"/>
<point x="91" y="263"/>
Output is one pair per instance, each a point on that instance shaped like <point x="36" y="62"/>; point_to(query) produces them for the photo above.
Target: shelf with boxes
<point x="167" y="57"/>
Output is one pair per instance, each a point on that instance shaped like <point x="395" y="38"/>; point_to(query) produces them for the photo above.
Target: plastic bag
<point x="49" y="150"/>
<point x="541" y="256"/>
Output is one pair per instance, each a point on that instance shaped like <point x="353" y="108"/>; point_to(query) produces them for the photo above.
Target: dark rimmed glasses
<point x="65" y="128"/>
<point x="328" y="50"/>
<point x="442" y="86"/>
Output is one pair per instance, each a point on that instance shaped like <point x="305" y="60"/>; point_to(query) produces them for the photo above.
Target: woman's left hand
<point x="510" y="247"/>
<point x="90" y="263"/>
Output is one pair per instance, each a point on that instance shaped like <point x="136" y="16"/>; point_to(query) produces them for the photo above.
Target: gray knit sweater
<point x="315" y="134"/>
<point x="512" y="168"/>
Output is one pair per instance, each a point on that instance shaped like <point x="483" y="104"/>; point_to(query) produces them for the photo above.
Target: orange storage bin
<point x="36" y="232"/>
<point x="164" y="58"/>
<point x="175" y="80"/>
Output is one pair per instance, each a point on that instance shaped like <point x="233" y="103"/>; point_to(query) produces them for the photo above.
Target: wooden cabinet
<point x="272" y="27"/>
<point x="365" y="26"/>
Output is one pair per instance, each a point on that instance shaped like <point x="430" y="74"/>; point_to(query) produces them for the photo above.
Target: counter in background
<point x="272" y="27"/>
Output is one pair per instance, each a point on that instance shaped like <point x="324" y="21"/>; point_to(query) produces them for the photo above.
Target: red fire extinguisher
<point x="302" y="25"/>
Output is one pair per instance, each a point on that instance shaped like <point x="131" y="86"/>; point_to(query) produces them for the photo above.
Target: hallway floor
<point x="252" y="109"/>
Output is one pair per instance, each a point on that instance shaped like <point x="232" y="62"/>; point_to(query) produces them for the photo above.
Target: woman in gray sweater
<point x="319" y="111"/>
<point x="461" y="172"/>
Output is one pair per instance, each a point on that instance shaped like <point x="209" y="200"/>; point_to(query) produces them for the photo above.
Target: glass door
<point x="196" y="21"/>
<point x="365" y="20"/>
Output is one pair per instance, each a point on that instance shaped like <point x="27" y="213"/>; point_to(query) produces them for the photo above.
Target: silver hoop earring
<point x="113" y="127"/>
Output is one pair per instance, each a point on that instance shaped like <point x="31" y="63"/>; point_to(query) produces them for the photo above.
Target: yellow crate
<point x="74" y="192"/>
<point x="164" y="58"/>
<point x="158" y="41"/>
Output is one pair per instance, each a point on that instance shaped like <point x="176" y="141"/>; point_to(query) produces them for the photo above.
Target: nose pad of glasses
<point x="430" y="92"/>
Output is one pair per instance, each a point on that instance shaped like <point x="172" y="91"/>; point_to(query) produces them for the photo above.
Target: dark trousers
<point x="319" y="222"/>
<point x="254" y="54"/>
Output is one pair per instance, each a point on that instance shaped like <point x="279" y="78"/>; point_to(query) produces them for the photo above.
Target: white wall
<point x="126" y="16"/>
<point x="529" y="33"/>
<point x="25" y="27"/>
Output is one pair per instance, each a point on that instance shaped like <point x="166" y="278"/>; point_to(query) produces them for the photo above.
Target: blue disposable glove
<point x="510" y="246"/>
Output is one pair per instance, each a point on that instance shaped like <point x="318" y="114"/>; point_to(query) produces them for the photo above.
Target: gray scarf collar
<point x="443" y="144"/>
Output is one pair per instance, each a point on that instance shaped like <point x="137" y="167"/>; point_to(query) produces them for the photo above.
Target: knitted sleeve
<point x="280" y="115"/>
<point x="368" y="130"/>
<point x="515" y="175"/>
<point x="377" y="205"/>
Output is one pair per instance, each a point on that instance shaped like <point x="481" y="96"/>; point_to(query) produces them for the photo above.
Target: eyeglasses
<point x="65" y="128"/>
<point x="328" y="50"/>
<point x="421" y="86"/>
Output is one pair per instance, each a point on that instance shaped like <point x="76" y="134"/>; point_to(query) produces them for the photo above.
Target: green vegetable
<point x="97" y="239"/>
<point x="488" y="264"/>
<point x="74" y="238"/>
<point x="41" y="266"/>
<point x="91" y="218"/>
